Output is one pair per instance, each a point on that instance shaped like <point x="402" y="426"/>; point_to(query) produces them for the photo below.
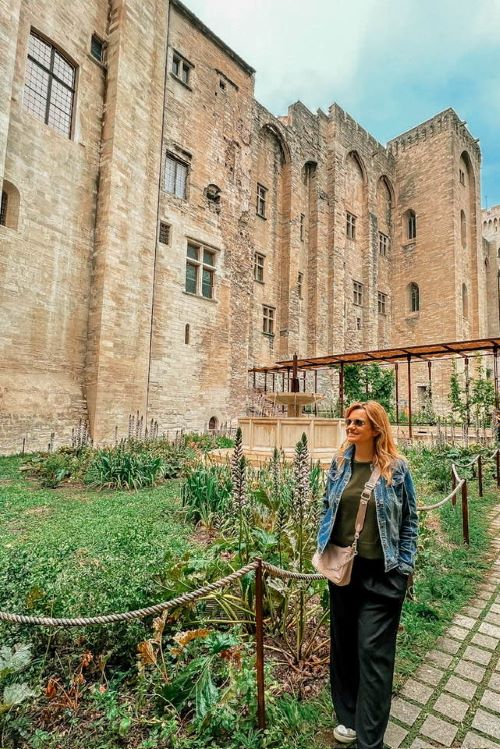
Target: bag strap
<point x="363" y="503"/>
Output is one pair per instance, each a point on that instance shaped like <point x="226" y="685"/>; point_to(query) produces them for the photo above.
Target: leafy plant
<point x="371" y="381"/>
<point x="12" y="661"/>
<point x="115" y="468"/>
<point x="206" y="493"/>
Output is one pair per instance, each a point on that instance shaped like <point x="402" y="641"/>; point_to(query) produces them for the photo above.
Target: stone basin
<point x="294" y="402"/>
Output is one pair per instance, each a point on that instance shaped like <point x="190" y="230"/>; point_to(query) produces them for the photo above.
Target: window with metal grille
<point x="414" y="294"/>
<point x="300" y="280"/>
<point x="200" y="270"/>
<point x="49" y="87"/>
<point x="383" y="244"/>
<point x="357" y="292"/>
<point x="261" y="200"/>
<point x="258" y="267"/>
<point x="351" y="226"/>
<point x="164" y="233"/>
<point x="461" y="176"/>
<point x="382" y="303"/>
<point x="97" y="48"/>
<point x="176" y="172"/>
<point x="268" y="320"/>
<point x="3" y="209"/>
<point x="181" y="68"/>
<point x="302" y="221"/>
<point x="359" y="323"/>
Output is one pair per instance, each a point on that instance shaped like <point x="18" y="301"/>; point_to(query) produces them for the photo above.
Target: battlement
<point x="344" y="120"/>
<point x="443" y="121"/>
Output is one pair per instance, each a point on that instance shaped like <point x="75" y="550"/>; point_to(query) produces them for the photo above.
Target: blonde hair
<point x="385" y="450"/>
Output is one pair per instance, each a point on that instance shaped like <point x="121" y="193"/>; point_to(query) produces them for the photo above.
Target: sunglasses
<point x="355" y="422"/>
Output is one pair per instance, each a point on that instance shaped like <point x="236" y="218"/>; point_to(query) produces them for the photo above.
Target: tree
<point x="482" y="398"/>
<point x="368" y="382"/>
<point x="456" y="396"/>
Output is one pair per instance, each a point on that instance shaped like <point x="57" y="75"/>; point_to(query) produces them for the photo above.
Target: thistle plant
<point x="301" y="500"/>
<point x="238" y="476"/>
<point x="301" y="489"/>
<point x="277" y="499"/>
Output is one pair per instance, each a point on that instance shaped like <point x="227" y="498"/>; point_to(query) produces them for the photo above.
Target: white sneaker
<point x="344" y="735"/>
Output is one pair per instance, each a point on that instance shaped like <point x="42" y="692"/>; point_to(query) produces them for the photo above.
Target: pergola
<point x="423" y="352"/>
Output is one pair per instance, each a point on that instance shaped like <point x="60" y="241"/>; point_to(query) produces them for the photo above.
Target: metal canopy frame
<point x="422" y="352"/>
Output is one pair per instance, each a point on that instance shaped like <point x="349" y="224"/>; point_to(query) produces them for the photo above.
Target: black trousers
<point x="364" y="620"/>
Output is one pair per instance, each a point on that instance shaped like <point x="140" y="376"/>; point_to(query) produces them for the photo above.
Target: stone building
<point x="161" y="231"/>
<point x="491" y="258"/>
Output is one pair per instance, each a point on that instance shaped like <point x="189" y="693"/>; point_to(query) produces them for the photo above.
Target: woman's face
<point x="358" y="428"/>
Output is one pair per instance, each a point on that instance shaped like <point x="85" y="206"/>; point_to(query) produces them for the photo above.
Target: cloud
<point x="389" y="63"/>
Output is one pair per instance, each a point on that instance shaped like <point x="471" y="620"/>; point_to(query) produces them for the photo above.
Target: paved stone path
<point x="453" y="700"/>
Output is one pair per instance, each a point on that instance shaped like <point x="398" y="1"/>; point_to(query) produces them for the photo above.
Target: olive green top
<point x="369" y="545"/>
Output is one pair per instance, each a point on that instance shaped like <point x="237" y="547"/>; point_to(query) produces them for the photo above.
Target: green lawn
<point x="77" y="552"/>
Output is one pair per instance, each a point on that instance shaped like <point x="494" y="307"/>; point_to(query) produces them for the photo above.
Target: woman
<point x="364" y="615"/>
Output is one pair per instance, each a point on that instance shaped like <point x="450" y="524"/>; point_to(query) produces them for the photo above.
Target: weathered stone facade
<point x="303" y="220"/>
<point x="491" y="259"/>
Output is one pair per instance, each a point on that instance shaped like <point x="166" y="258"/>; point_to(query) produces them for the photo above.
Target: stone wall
<point x="98" y="318"/>
<point x="45" y="259"/>
<point x="491" y="259"/>
<point x="208" y="127"/>
<point x="120" y="312"/>
<point x="438" y="260"/>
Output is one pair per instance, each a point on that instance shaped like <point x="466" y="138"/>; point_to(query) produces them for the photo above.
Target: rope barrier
<point x="138" y="613"/>
<point x="425" y="508"/>
<point x="279" y="572"/>
<point x="200" y="592"/>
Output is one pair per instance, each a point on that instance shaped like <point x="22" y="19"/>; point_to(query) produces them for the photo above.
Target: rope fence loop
<point x="426" y="508"/>
<point x="128" y="615"/>
<point x="459" y="484"/>
<point x="258" y="566"/>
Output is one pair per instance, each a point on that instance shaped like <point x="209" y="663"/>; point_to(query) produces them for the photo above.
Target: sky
<point x="391" y="64"/>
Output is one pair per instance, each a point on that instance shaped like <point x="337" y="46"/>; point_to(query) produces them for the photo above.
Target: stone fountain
<point x="262" y="434"/>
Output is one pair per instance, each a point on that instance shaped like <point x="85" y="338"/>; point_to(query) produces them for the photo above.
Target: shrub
<point x="55" y="468"/>
<point x="123" y="470"/>
<point x="207" y="491"/>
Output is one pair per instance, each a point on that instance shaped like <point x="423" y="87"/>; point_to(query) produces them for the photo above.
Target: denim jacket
<point x="396" y="509"/>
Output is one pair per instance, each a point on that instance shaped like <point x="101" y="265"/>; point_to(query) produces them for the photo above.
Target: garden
<point x="89" y="531"/>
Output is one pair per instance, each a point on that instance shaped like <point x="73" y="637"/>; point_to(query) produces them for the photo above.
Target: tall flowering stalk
<point x="301" y="499"/>
<point x="238" y="476"/>
<point x="301" y="489"/>
<point x="277" y="498"/>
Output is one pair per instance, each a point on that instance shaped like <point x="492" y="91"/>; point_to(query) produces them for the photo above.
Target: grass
<point x="74" y="551"/>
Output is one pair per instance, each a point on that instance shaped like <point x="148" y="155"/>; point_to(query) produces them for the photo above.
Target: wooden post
<point x="259" y="646"/>
<point x="295" y="376"/>
<point x="397" y="391"/>
<point x="495" y="376"/>
<point x="453" y="485"/>
<point x="341" y="389"/>
<point x="467" y="388"/>
<point x="465" y="513"/>
<point x="480" y="475"/>
<point x="429" y="373"/>
<point x="410" y="430"/>
<point x="315" y="390"/>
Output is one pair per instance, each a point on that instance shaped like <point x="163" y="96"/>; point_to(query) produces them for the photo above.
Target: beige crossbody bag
<point x="335" y="563"/>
